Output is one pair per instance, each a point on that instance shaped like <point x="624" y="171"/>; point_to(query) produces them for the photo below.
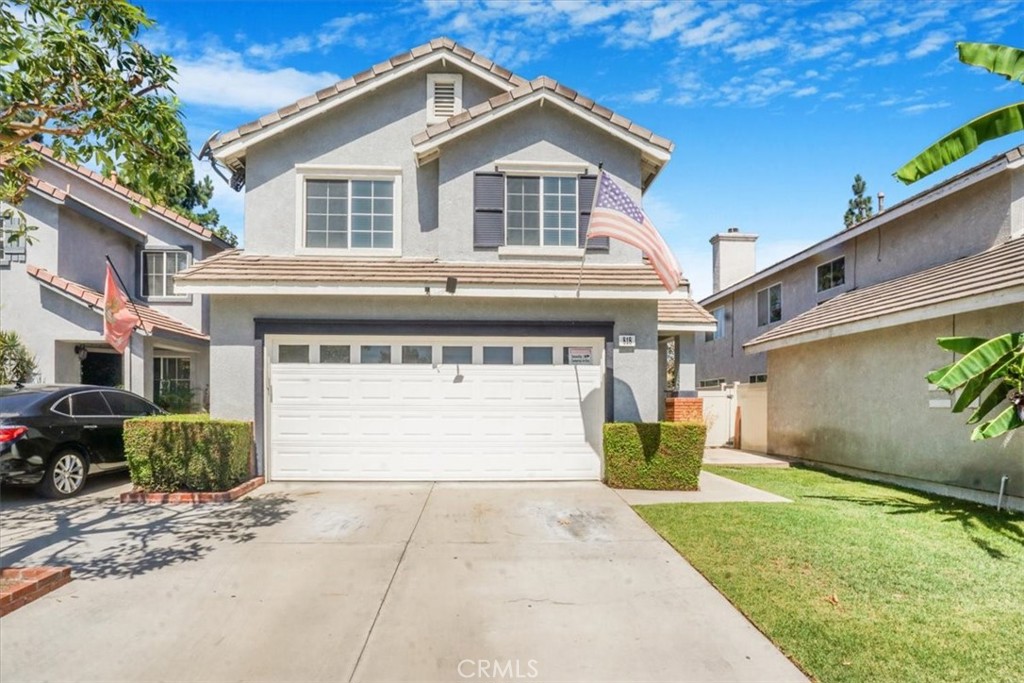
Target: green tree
<point x="859" y="208"/>
<point x="74" y="71"/>
<point x="1001" y="60"/>
<point x="995" y="366"/>
<point x="17" y="364"/>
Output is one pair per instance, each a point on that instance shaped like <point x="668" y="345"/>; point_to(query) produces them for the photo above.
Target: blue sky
<point x="773" y="106"/>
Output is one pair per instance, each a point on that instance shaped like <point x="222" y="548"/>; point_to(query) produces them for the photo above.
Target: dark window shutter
<point x="587" y="185"/>
<point x="488" y="210"/>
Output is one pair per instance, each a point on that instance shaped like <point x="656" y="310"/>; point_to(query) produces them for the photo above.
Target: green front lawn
<point x="858" y="581"/>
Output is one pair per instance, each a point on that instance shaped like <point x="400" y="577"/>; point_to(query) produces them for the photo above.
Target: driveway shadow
<point x="98" y="537"/>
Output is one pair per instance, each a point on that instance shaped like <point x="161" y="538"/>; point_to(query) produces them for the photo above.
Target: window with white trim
<point x="831" y="274"/>
<point x="171" y="376"/>
<point x="444" y="96"/>
<point x="158" y="269"/>
<point x="349" y="209"/>
<point x="769" y="305"/>
<point x="541" y="210"/>
<point x="757" y="379"/>
<point x="711" y="383"/>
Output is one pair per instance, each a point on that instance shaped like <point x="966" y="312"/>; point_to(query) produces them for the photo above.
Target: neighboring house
<point x="406" y="305"/>
<point x="844" y="332"/>
<point x="51" y="289"/>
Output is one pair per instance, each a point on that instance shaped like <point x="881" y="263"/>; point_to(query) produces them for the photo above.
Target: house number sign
<point x="627" y="341"/>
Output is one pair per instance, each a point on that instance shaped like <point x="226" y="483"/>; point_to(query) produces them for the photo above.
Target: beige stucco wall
<point x="862" y="401"/>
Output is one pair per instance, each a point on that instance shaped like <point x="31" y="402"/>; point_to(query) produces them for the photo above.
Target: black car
<point x="54" y="436"/>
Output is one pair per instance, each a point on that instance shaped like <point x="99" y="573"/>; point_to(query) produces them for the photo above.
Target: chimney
<point x="881" y="202"/>
<point x="732" y="254"/>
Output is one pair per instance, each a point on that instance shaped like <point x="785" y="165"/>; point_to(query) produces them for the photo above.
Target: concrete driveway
<point x="369" y="582"/>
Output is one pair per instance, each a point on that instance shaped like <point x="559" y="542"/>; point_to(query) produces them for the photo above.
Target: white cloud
<point x="333" y="32"/>
<point x="825" y="48"/>
<point x="842" y="21"/>
<point x="883" y="59"/>
<point x="753" y="48"/>
<point x="915" y="109"/>
<point x="935" y="40"/>
<point x="644" y="96"/>
<point x="223" y="79"/>
<point x="834" y="96"/>
<point x="805" y="92"/>
<point x="711" y="31"/>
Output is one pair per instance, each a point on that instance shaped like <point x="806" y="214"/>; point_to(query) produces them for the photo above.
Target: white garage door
<point x="438" y="409"/>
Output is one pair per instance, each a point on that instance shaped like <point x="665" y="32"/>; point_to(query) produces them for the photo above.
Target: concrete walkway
<point x="713" y="489"/>
<point x="370" y="582"/>
<point x="731" y="456"/>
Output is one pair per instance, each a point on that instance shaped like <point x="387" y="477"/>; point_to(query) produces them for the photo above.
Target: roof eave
<point x="233" y="152"/>
<point x="197" y="285"/>
<point x="1003" y="297"/>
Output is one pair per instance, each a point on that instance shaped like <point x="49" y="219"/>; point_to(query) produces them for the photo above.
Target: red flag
<point x="617" y="216"/>
<point x="119" y="317"/>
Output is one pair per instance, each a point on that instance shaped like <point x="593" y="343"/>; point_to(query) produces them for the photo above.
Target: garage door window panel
<point x="293" y="353"/>
<point x="538" y="355"/>
<point x="335" y="353"/>
<point x="370" y="354"/>
<point x="497" y="355"/>
<point x="417" y="354"/>
<point x="452" y="355"/>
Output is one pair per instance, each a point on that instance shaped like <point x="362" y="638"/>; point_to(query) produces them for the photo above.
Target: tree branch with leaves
<point x="75" y="71"/>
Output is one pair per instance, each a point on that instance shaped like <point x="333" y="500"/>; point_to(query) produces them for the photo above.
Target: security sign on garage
<point x="437" y="408"/>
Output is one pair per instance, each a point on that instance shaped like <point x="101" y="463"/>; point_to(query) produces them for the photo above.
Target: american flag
<point x="615" y="215"/>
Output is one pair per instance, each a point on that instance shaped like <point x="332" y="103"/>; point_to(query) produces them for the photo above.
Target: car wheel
<point x="65" y="475"/>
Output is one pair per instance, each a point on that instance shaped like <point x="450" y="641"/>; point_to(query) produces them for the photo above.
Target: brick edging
<point x="33" y="583"/>
<point x="192" y="497"/>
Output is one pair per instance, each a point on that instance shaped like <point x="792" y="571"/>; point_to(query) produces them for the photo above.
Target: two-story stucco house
<point x="51" y="287"/>
<point x="407" y="304"/>
<point x="844" y="332"/>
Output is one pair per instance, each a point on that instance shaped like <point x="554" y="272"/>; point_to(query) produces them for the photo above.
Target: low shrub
<point x="187" y="452"/>
<point x="653" y="455"/>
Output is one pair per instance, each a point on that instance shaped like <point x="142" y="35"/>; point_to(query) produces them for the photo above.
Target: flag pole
<point x="126" y="293"/>
<point x="586" y="238"/>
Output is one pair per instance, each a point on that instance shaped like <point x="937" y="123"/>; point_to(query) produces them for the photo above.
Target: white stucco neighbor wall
<point x="861" y="401"/>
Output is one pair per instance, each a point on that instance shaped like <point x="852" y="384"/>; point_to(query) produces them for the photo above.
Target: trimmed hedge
<point x="653" y="455"/>
<point x="187" y="452"/>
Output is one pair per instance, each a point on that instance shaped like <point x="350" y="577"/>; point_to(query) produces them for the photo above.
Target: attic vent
<point x="444" y="96"/>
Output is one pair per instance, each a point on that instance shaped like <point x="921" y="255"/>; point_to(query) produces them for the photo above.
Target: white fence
<point x="737" y="416"/>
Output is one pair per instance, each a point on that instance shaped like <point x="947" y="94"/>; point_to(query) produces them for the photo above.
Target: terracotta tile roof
<point x="348" y="84"/>
<point x="544" y="84"/>
<point x="152" y="319"/>
<point x="129" y="194"/>
<point x="237" y="266"/>
<point x="46" y="188"/>
<point x="682" y="311"/>
<point x="999" y="268"/>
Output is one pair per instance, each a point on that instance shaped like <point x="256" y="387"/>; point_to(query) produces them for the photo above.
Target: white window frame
<point x="432" y="81"/>
<point x="175" y="357"/>
<point x="143" y="274"/>
<point x="757" y="310"/>
<point x="332" y="172"/>
<point x="817" y="277"/>
<point x="713" y="383"/>
<point x="540" y="172"/>
<point x="759" y="378"/>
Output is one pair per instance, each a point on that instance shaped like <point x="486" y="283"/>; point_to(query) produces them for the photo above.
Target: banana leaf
<point x="994" y="398"/>
<point x="961" y="345"/>
<point x="971" y="391"/>
<point x="1004" y="422"/>
<point x="1001" y="60"/>
<point x="982" y="359"/>
<point x="962" y="141"/>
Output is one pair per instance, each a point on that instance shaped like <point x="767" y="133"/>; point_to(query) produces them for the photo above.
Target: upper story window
<point x="158" y="269"/>
<point x="349" y="214"/>
<point x="10" y="222"/>
<point x="524" y="206"/>
<point x="541" y="210"/>
<point x="444" y="96"/>
<point x="719" y="332"/>
<point x="769" y="305"/>
<point x="831" y="274"/>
